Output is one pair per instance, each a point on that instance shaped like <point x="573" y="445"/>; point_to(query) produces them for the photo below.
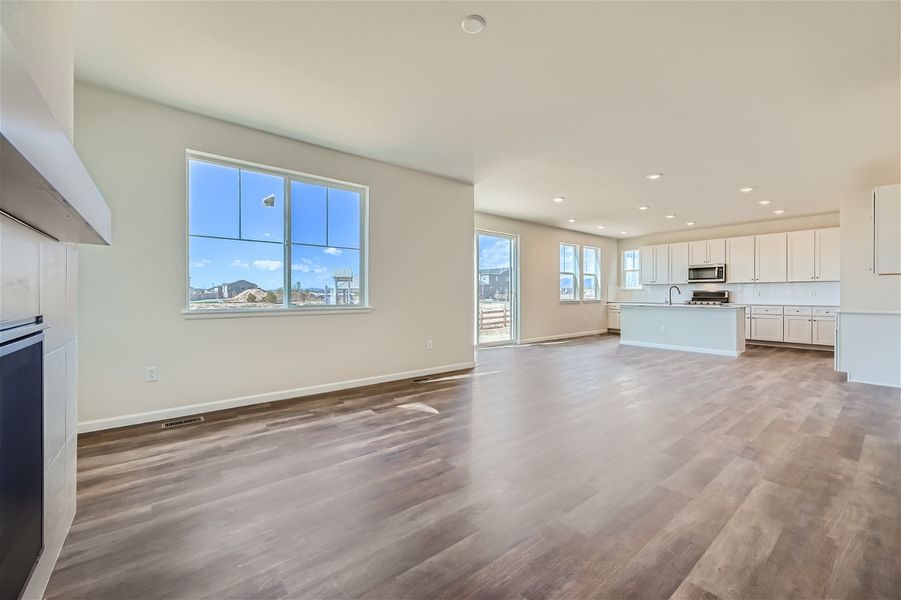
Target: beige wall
<point x="133" y="293"/>
<point x="39" y="275"/>
<point x="43" y="35"/>
<point x="542" y="315"/>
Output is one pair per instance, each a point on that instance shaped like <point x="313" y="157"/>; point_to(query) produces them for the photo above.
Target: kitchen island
<point x="710" y="329"/>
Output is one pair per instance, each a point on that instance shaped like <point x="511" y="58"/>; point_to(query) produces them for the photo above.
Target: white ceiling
<point x="581" y="100"/>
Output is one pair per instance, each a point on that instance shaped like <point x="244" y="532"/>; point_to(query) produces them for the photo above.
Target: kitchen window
<point x="591" y="274"/>
<point x="631" y="279"/>
<point x="569" y="272"/>
<point x="263" y="239"/>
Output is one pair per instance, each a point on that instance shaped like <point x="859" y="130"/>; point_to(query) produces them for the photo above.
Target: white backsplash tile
<point x="805" y="294"/>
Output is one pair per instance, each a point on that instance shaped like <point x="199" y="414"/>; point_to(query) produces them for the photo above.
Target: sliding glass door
<point x="496" y="287"/>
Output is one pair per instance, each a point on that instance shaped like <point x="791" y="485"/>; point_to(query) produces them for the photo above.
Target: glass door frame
<point x="514" y="288"/>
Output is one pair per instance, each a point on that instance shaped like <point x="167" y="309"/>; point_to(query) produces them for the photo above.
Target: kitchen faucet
<point x="671" y="293"/>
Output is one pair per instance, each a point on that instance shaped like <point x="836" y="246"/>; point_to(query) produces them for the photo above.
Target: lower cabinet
<point x="613" y="317"/>
<point x="797" y="329"/>
<point x="823" y="331"/>
<point x="747" y="324"/>
<point x="766" y="328"/>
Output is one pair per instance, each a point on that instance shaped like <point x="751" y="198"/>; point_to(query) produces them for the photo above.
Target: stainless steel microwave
<point x="707" y="274"/>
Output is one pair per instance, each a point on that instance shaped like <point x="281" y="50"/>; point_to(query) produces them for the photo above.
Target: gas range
<point x="709" y="298"/>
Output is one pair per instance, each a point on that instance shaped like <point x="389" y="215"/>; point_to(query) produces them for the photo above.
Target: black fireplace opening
<point x="21" y="453"/>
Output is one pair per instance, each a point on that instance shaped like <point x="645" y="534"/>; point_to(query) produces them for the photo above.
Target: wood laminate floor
<point x="574" y="470"/>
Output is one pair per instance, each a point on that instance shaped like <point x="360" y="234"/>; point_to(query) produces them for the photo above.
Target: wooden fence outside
<point x="494" y="318"/>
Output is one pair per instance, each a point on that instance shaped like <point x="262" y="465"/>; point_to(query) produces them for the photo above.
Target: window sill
<point x="570" y="302"/>
<point x="239" y="313"/>
<point x="600" y="301"/>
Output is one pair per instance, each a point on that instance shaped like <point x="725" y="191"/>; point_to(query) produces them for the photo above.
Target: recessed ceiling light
<point x="559" y="199"/>
<point x="764" y="202"/>
<point x="778" y="211"/>
<point x="689" y="223"/>
<point x="623" y="232"/>
<point x="473" y="24"/>
<point x="572" y="220"/>
<point x="654" y="176"/>
<point x="746" y="190"/>
<point x="643" y="207"/>
<point x="670" y="216"/>
<point x="601" y="226"/>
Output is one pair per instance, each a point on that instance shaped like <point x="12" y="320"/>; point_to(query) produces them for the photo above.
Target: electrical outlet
<point x="151" y="374"/>
<point x="428" y="344"/>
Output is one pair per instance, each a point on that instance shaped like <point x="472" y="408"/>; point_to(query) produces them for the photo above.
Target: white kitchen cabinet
<point x="707" y="252"/>
<point x="747" y="324"/>
<point x="887" y="230"/>
<point x="661" y="263"/>
<point x="823" y="331"/>
<point x="613" y="317"/>
<point x="716" y="251"/>
<point x="740" y="259"/>
<point x="766" y="327"/>
<point x="646" y="265"/>
<point x="654" y="264"/>
<point x="770" y="258"/>
<point x="797" y="329"/>
<point x="801" y="255"/>
<point x="697" y="252"/>
<point x="814" y="255"/>
<point x="678" y="263"/>
<point x="827" y="264"/>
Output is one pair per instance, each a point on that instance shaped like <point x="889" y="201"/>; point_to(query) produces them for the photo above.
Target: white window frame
<point x="624" y="270"/>
<point x="575" y="275"/>
<point x="289" y="176"/>
<point x="597" y="276"/>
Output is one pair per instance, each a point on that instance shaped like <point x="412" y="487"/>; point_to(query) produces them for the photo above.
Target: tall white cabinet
<point x="654" y="264"/>
<point x="814" y="255"/>
<point x="678" y="263"/>
<point x="769" y="258"/>
<point x="740" y="259"/>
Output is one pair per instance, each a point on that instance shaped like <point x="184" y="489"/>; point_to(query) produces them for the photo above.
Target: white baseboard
<point x="680" y="348"/>
<point x="550" y="338"/>
<point x="205" y="407"/>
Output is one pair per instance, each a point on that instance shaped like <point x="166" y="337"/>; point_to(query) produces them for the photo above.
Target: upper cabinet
<point x="887" y="230"/>
<point x="716" y="251"/>
<point x="756" y="258"/>
<point x="770" y="258"/>
<point x="707" y="252"/>
<point x="828" y="254"/>
<point x="814" y="255"/>
<point x="801" y="255"/>
<point x="678" y="263"/>
<point x="740" y="259"/>
<point x="654" y="264"/>
<point x="697" y="252"/>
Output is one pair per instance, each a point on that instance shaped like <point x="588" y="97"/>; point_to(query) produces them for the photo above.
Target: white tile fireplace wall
<point x="39" y="275"/>
<point x="806" y="294"/>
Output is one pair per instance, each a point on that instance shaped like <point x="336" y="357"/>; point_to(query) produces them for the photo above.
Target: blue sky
<point x="494" y="252"/>
<point x="228" y="202"/>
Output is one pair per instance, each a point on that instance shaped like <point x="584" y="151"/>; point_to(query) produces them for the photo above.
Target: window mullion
<point x="286" y="296"/>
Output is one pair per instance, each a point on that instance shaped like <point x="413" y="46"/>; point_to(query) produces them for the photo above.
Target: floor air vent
<point x="181" y="422"/>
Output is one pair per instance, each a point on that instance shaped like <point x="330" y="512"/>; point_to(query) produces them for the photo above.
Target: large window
<point x="631" y="276"/>
<point x="267" y="239"/>
<point x="591" y="273"/>
<point x="569" y="272"/>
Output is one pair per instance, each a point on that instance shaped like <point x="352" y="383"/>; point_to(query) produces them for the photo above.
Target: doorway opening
<point x="497" y="286"/>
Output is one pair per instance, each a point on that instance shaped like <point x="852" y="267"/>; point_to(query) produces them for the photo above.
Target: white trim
<point x="731" y="353"/>
<point x="893" y="313"/>
<point x="566" y="336"/>
<point x="205" y="407"/>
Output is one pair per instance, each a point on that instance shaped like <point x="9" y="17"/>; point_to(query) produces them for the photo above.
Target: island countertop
<point x="681" y="305"/>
